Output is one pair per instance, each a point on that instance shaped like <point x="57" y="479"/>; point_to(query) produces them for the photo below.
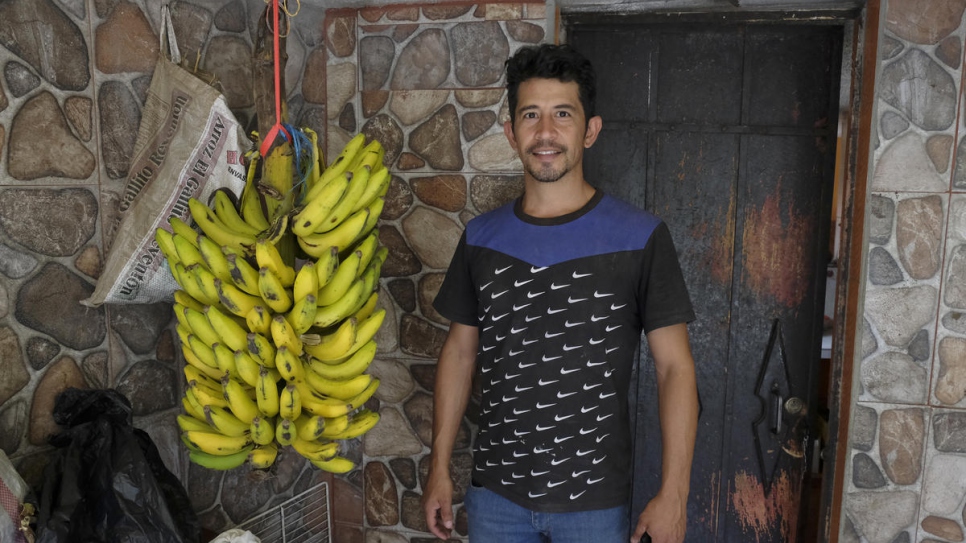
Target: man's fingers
<point x="439" y="519"/>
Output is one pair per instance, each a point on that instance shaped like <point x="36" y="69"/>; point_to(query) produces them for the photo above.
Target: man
<point x="549" y="295"/>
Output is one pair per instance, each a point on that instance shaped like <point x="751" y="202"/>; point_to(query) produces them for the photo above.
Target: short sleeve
<point x="456" y="299"/>
<point x="664" y="298"/>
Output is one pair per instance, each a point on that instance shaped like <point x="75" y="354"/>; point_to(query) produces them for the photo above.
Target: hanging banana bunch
<point x="278" y="305"/>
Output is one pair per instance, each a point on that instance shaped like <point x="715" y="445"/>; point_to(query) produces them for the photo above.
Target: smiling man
<point x="547" y="298"/>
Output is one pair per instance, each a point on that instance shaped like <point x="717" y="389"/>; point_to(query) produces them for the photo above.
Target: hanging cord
<point x="277" y="127"/>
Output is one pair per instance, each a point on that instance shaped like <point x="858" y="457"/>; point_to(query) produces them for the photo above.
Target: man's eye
<point x="529" y="115"/>
<point x="563" y="114"/>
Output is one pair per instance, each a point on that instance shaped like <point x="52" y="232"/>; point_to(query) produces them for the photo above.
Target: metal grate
<point x="302" y="519"/>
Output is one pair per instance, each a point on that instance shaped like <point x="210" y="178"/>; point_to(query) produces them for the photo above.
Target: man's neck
<point x="548" y="200"/>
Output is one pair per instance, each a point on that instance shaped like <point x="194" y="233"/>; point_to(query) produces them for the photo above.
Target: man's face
<point x="550" y="131"/>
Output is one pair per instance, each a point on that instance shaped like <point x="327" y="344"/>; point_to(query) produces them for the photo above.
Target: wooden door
<point x="726" y="131"/>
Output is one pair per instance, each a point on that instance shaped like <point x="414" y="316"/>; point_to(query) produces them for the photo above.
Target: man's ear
<point x="508" y="131"/>
<point x="593" y="130"/>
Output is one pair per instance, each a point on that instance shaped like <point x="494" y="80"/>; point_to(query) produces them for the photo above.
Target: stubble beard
<point x="547" y="173"/>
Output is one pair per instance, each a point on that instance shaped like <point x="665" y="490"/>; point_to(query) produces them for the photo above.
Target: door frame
<point x="861" y="30"/>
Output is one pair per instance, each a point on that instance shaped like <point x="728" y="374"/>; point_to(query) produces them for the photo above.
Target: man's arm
<point x="454" y="381"/>
<point x="665" y="517"/>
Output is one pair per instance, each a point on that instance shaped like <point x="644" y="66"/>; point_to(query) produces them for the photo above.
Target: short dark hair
<point x="549" y="61"/>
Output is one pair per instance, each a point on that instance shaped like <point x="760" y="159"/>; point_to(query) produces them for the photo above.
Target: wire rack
<point x="301" y="519"/>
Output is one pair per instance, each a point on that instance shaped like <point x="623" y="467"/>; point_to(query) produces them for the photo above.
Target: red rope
<point x="277" y="127"/>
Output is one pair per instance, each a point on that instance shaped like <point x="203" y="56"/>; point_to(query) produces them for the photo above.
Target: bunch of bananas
<point x="277" y="341"/>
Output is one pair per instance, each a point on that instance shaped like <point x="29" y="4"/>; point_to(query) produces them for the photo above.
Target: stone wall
<point x="908" y="432"/>
<point x="79" y="71"/>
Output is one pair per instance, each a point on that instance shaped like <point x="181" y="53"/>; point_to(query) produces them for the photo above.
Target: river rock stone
<point x="428" y="288"/>
<point x="446" y="192"/>
<point x="373" y="101"/>
<point x="405" y="13"/>
<point x="879" y="516"/>
<point x="445" y="12"/>
<point x="409" y="161"/>
<point x="405" y="471"/>
<point x="939" y="148"/>
<point x="347" y="118"/>
<point x="951" y="384"/>
<point x="229" y="58"/>
<point x="412" y="516"/>
<point x="411" y="107"/>
<point x="949" y="432"/>
<point x="341" y="33"/>
<point x="95" y="368"/>
<point x="955" y="321"/>
<point x="919" y="234"/>
<point x="401" y="33"/>
<point x="892" y="124"/>
<point x="894" y="377"/>
<point x="424" y="63"/>
<point x="883" y="269"/>
<point x="480" y="48"/>
<point x="41" y="34"/>
<point x="60" y="376"/>
<point x="901" y="437"/>
<point x="13" y="372"/>
<point x="865" y="472"/>
<point x="399" y="199"/>
<point x="402" y="260"/>
<point x="438" y="140"/>
<point x="78" y="110"/>
<point x="46" y="221"/>
<point x="392" y="436"/>
<point x="376" y="54"/>
<point x="243" y="495"/>
<point x="493" y="154"/>
<point x="950" y="52"/>
<point x="382" y="127"/>
<point x="192" y="24"/>
<point x="921" y="89"/>
<point x="488" y="192"/>
<point x="13" y="423"/>
<point x="382" y="501"/>
<point x="53" y="151"/>
<point x="954" y="292"/>
<point x="476" y="123"/>
<point x="150" y="386"/>
<point x="396" y="383"/>
<point x="49" y="302"/>
<point x="231" y="17"/>
<point x="525" y="32"/>
<point x="864" y="423"/>
<point x="478" y="98"/>
<point x="943" y="498"/>
<point x="15" y="264"/>
<point x="433" y="236"/>
<point x="403" y="293"/>
<point x="420" y="338"/>
<point x="919" y="347"/>
<point x="881" y="219"/>
<point x="313" y="78"/>
<point x="88" y="262"/>
<point x="125" y="42"/>
<point x="916" y="305"/>
<point x="20" y="80"/>
<point x="905" y="166"/>
<point x="40" y="351"/>
<point x="140" y="326"/>
<point x="921" y="23"/>
<point x="4" y="301"/>
<point x="120" y="117"/>
<point x="942" y="527"/>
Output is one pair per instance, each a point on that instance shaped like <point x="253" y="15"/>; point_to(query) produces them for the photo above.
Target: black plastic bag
<point x="106" y="481"/>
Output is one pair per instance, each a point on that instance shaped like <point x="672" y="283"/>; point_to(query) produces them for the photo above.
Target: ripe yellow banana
<point x="225" y="358"/>
<point x="335" y="345"/>
<point x="221" y="419"/>
<point x="266" y="393"/>
<point x="214" y="258"/>
<point x="289" y="365"/>
<point x="326" y="265"/>
<point x="341" y="281"/>
<point x="182" y="318"/>
<point x="242" y="404"/>
<point x="272" y="290"/>
<point x="324" y="406"/>
<point x="251" y="204"/>
<point x="367" y="329"/>
<point x="377" y="185"/>
<point x="212" y="226"/>
<point x="225" y="210"/>
<point x="247" y="368"/>
<point x="331" y="314"/>
<point x="261" y="349"/>
<point x="357" y="363"/>
<point x="165" y="241"/>
<point x="189" y="422"/>
<point x="192" y="373"/>
<point x="192" y="358"/>
<point x="310" y="427"/>
<point x="200" y="326"/>
<point x="217" y="443"/>
<point x="263" y="456"/>
<point x="339" y="165"/>
<point x="185" y="299"/>
<point x="220" y="462"/>
<point x="234" y="299"/>
<point x="306" y="281"/>
<point x="361" y="422"/>
<point x="369" y="156"/>
<point x="276" y="182"/>
<point x="317" y="450"/>
<point x="289" y="402"/>
<point x="302" y="315"/>
<point x="243" y="275"/>
<point x="179" y="227"/>
<point x="207" y="396"/>
<point x="367" y="246"/>
<point x="363" y="397"/>
<point x="283" y="335"/>
<point x="358" y="179"/>
<point x="232" y="334"/>
<point x="345" y="389"/>
<point x="194" y="412"/>
<point x="268" y="256"/>
<point x="203" y="353"/>
<point x="367" y="307"/>
<point x="189" y="280"/>
<point x="316" y="160"/>
<point x="259" y="319"/>
<point x="263" y="430"/>
<point x="375" y="211"/>
<point x="284" y="432"/>
<point x="336" y="464"/>
<point x="316" y="210"/>
<point x="341" y="236"/>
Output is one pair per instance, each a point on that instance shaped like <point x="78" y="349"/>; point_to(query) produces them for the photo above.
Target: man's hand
<point x="438" y="504"/>
<point x="664" y="519"/>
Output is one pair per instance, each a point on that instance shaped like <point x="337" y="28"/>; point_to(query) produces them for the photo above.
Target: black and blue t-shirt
<point x="560" y="305"/>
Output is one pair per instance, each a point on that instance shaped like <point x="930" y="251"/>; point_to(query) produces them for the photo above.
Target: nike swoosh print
<point x="599" y="460"/>
<point x="571" y="347"/>
<point x="543" y="383"/>
<point x="508" y="376"/>
<point x="536" y="494"/>
<point x="514" y="353"/>
<point x="519" y="307"/>
<point x="579" y="473"/>
<point x="595" y="318"/>
<point x="588" y="410"/>
<point x="528" y="342"/>
<point x="540" y="450"/>
<point x="610" y="350"/>
<point x="601" y="438"/>
<point x="486" y="285"/>
<point x="585" y="453"/>
<point x="501" y="270"/>
<point x="579" y="275"/>
<point x="589" y="387"/>
<point x="551" y="484"/>
<point x="596" y="341"/>
<point x="515" y="330"/>
<point x="534" y="295"/>
<point x="496" y="318"/>
<point x="572" y="300"/>
<point x="528" y="318"/>
<point x="555" y="286"/>
<point x="496" y="295"/>
<point x="541" y="428"/>
<point x="534" y="269"/>
<point x="538" y="473"/>
<point x="551" y="311"/>
<point x="602" y="417"/>
<point x="604" y="295"/>
<point x="521" y="365"/>
<point x="577" y="495"/>
<point x="569" y="324"/>
<point x="565" y="371"/>
<point x="559" y="418"/>
<point x="520" y="411"/>
<point x="563" y="395"/>
<point x="593" y="481"/>
<point x="521" y="283"/>
<point x="543" y="406"/>
<point x="546" y="358"/>
<point x="559" y="439"/>
<point x="548" y="335"/>
<point x="584" y="432"/>
<point x="519" y="388"/>
<point x="592" y="364"/>
<point x="510" y="399"/>
<point x="615" y="307"/>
